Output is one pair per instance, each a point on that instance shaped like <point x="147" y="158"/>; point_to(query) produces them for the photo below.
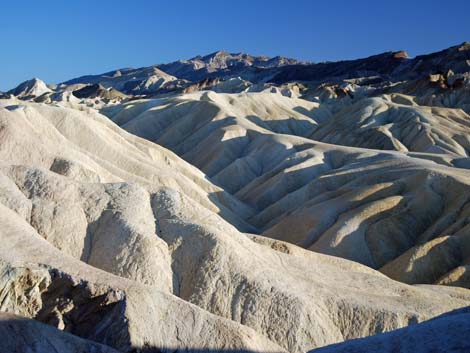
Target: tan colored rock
<point x="459" y="276"/>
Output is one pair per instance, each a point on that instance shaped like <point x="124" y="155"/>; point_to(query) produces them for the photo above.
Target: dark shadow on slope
<point x="238" y="162"/>
<point x="275" y="182"/>
<point x="445" y="333"/>
<point x="440" y="260"/>
<point x="21" y="334"/>
<point x="314" y="114"/>
<point x="289" y="126"/>
<point x="193" y="350"/>
<point x="72" y="305"/>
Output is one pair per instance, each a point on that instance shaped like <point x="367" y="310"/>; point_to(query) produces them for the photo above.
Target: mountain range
<point x="231" y="202"/>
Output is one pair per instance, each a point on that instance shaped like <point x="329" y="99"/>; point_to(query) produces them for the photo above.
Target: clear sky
<point x="56" y="40"/>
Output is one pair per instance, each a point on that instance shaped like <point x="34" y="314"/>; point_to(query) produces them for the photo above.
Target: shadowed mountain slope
<point x="447" y="333"/>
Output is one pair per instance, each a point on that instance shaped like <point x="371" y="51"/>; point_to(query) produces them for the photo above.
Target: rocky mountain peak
<point x="401" y="55"/>
<point x="30" y="88"/>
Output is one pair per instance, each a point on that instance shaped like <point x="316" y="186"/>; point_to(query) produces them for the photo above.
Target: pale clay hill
<point x="239" y="203"/>
<point x="90" y="197"/>
<point x="385" y="210"/>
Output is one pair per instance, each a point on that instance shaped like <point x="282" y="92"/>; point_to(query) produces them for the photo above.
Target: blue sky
<point x="58" y="40"/>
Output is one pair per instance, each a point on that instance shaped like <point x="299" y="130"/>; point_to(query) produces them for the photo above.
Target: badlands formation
<point x="238" y="203"/>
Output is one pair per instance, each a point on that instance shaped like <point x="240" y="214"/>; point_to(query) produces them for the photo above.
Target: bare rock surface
<point x="41" y="282"/>
<point x="117" y="240"/>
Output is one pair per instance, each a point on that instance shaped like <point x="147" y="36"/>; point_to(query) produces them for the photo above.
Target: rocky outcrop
<point x="225" y="65"/>
<point x="41" y="282"/>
